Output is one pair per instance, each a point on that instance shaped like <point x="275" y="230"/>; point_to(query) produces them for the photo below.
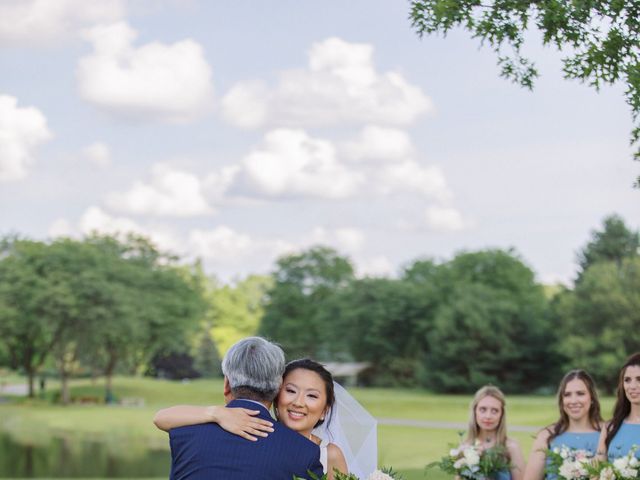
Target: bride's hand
<point x="240" y="421"/>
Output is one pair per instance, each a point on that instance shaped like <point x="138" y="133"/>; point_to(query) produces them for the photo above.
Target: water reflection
<point x="64" y="457"/>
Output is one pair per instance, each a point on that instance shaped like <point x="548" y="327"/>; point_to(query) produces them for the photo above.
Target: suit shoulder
<point x="190" y="430"/>
<point x="295" y="438"/>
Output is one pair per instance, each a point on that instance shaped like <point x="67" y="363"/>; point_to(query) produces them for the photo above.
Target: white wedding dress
<point x="354" y="430"/>
<point x="324" y="460"/>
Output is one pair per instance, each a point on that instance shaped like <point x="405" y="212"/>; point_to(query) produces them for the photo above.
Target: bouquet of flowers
<point x="626" y="467"/>
<point x="472" y="462"/>
<point x="570" y="464"/>
<point x="384" y="474"/>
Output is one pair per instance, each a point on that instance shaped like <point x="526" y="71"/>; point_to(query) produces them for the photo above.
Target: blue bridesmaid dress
<point x="577" y="441"/>
<point x="626" y="437"/>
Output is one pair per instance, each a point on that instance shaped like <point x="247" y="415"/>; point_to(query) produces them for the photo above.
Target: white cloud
<point x="444" y="219"/>
<point x="386" y="155"/>
<point x="171" y="193"/>
<point x="340" y="85"/>
<point x="346" y="239"/>
<point x="34" y="22"/>
<point x="98" y="154"/>
<point x="378" y="266"/>
<point x="22" y="129"/>
<point x="379" y="145"/>
<point x="96" y="220"/>
<point x="220" y="243"/>
<point x="411" y="177"/>
<point x="156" y="81"/>
<point x="227" y="251"/>
<point x="290" y="163"/>
<point x="61" y="228"/>
<point x="216" y="184"/>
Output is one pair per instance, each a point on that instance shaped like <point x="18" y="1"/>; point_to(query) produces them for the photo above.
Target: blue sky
<point x="240" y="131"/>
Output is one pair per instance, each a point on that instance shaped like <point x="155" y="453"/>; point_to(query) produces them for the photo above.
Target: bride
<point x="310" y="403"/>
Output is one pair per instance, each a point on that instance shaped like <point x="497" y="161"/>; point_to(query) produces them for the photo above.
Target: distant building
<point x="346" y="373"/>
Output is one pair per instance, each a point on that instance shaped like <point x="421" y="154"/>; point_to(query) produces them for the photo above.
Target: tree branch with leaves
<point x="603" y="38"/>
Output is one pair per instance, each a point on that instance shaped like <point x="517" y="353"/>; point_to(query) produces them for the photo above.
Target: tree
<point x="614" y="243"/>
<point x="599" y="319"/>
<point x="383" y="322"/>
<point x="302" y="284"/>
<point x="602" y="36"/>
<point x="235" y="310"/>
<point x="148" y="305"/>
<point x="100" y="302"/>
<point x="28" y="297"/>
<point x="207" y="357"/>
<point x="491" y="310"/>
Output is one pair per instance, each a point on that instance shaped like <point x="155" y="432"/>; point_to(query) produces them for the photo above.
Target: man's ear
<point x="226" y="390"/>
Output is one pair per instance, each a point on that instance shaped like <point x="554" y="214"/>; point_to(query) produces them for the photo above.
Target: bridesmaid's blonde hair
<point x="474" y="429"/>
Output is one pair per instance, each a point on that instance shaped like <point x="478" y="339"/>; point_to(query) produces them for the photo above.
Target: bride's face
<point x="302" y="400"/>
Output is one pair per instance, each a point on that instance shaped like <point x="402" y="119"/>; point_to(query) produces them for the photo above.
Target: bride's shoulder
<point x="334" y="452"/>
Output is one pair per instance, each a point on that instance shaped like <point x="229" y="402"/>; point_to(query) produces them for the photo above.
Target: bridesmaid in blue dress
<point x="623" y="430"/>
<point x="488" y="425"/>
<point x="577" y="428"/>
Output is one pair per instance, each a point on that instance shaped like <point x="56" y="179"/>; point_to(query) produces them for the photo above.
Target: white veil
<point x="354" y="430"/>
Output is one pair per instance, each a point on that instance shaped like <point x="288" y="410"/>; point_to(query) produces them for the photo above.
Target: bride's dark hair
<point x="324" y="374"/>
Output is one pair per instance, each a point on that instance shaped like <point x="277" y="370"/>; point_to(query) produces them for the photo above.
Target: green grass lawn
<point x="407" y="449"/>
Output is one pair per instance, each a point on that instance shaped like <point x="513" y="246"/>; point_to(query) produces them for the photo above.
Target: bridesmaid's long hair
<point x="622" y="407"/>
<point x="595" y="418"/>
<point x="474" y="430"/>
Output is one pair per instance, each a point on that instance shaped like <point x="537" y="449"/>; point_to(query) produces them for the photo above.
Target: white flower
<point x="459" y="463"/>
<point x="472" y="457"/>
<point x="620" y="463"/>
<point x="378" y="475"/>
<point x="454" y="452"/>
<point x="607" y="473"/>
<point x="573" y="470"/>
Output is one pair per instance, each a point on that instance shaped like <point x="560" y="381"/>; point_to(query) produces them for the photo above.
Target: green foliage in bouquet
<point x="626" y="467"/>
<point x="472" y="462"/>
<point x="383" y="474"/>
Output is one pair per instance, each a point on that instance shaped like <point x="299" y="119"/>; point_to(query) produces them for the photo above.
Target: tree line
<point x="103" y="305"/>
<point x="454" y="325"/>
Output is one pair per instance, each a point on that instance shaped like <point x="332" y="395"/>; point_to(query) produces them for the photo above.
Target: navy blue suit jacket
<point x="206" y="451"/>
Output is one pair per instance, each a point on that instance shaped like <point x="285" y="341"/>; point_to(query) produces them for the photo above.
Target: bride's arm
<point x="335" y="460"/>
<point x="240" y="421"/>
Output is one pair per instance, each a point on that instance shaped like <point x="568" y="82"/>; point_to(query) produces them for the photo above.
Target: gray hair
<point x="254" y="367"/>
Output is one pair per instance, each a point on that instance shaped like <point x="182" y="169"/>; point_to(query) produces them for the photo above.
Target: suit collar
<point x="249" y="404"/>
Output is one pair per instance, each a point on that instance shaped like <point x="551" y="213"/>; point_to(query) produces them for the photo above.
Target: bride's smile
<point x="303" y="398"/>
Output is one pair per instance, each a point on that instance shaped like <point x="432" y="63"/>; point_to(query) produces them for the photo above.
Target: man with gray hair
<point x="253" y="370"/>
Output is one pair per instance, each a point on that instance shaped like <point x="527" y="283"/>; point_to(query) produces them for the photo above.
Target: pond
<point x="68" y="458"/>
